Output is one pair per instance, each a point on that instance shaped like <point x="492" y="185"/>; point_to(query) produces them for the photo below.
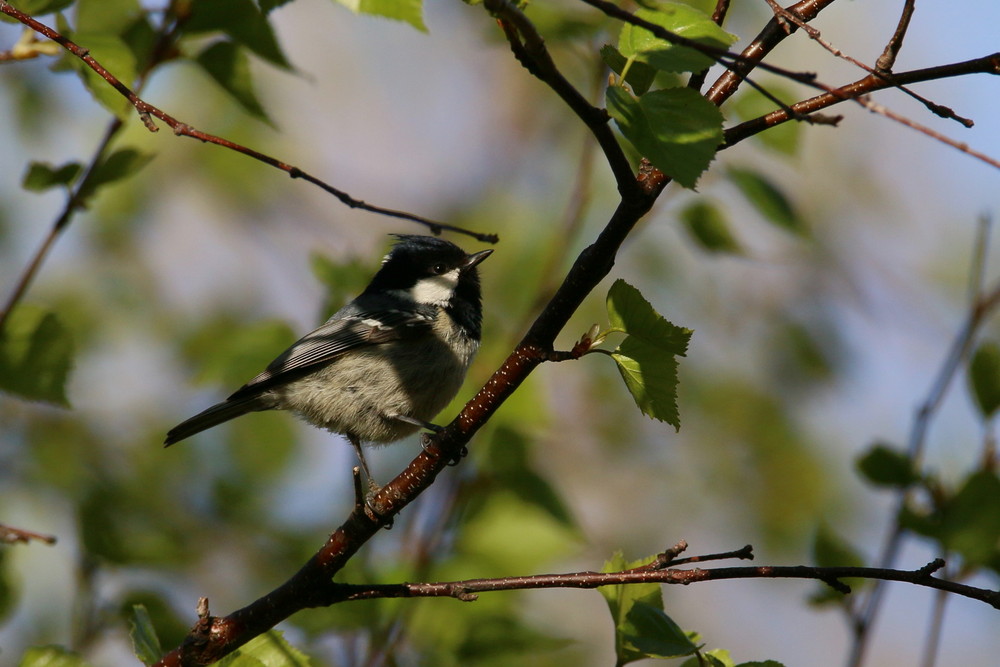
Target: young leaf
<point x="36" y="355"/>
<point x="717" y="657"/>
<point x="622" y="598"/>
<point x="768" y="199"/>
<point x="145" y="643"/>
<point x="682" y="20"/>
<point x="884" y="466"/>
<point x="227" y="63"/>
<point x="117" y="58"/>
<point x="639" y="75"/>
<point x="677" y="129"/>
<point x="269" y="650"/>
<point x="42" y="176"/>
<point x="646" y="358"/>
<point x="709" y="228"/>
<point x="651" y="378"/>
<point x="984" y="377"/>
<point x="407" y="11"/>
<point x="629" y="311"/>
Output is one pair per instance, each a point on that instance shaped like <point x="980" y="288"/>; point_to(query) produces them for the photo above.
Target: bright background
<point x="205" y="243"/>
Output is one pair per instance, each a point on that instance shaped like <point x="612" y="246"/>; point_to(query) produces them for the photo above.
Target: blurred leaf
<point x="107" y="17"/>
<point x="984" y="377"/>
<point x="832" y="550"/>
<point x="119" y="165"/>
<point x="508" y="463"/>
<point x="41" y="7"/>
<point x="750" y="104"/>
<point x="229" y="353"/>
<point x="767" y="198"/>
<point x="145" y="643"/>
<point x="8" y="590"/>
<point x="682" y="20"/>
<point x="268" y="650"/>
<point x="967" y="523"/>
<point x="708" y="226"/>
<point x="646" y="358"/>
<point x="116" y="57"/>
<point x="343" y="279"/>
<point x="407" y="11"/>
<point x="228" y="65"/>
<point x="883" y="465"/>
<point x="36" y="355"/>
<point x="677" y="129"/>
<point x="268" y="6"/>
<point x="639" y="76"/>
<point x="166" y="626"/>
<point x="243" y="22"/>
<point x="718" y="657"/>
<point x="42" y="176"/>
<point x="51" y="656"/>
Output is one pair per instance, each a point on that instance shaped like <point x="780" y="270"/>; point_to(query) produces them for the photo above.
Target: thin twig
<point x="148" y="111"/>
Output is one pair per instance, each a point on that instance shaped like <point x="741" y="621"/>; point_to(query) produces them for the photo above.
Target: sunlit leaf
<point x="630" y="311"/>
<point x="117" y="58"/>
<point x="36" y="355"/>
<point x="682" y="20"/>
<point x="270" y="650"/>
<point x="676" y="129"/>
<point x="51" y="656"/>
<point x="407" y="11"/>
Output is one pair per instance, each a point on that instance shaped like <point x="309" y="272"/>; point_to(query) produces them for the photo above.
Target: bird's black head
<point x="434" y="272"/>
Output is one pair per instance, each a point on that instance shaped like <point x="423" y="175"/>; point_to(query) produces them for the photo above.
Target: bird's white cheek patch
<point x="436" y="290"/>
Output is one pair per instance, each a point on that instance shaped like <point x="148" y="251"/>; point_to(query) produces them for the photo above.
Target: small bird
<point x="383" y="365"/>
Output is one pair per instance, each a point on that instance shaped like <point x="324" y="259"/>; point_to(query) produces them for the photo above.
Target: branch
<point x="11" y="535"/>
<point x="148" y="111"/>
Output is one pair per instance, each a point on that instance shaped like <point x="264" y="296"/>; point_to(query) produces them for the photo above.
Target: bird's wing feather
<point x="339" y="335"/>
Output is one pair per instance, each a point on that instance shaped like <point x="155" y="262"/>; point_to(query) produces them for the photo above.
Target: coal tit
<point x="386" y="363"/>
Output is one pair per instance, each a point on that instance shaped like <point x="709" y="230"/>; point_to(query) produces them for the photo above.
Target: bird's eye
<point x="438" y="269"/>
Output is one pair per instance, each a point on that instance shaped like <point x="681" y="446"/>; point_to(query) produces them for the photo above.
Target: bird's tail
<point x="213" y="416"/>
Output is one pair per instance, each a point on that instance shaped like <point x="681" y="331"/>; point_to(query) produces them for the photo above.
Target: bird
<point x="386" y="363"/>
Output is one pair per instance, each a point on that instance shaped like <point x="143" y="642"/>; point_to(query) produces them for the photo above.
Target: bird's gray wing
<point x="342" y="333"/>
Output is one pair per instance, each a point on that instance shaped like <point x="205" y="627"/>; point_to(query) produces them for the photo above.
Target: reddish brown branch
<point x="11" y="535"/>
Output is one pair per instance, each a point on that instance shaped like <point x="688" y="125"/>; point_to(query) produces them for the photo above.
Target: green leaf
<point x="407" y="11"/>
<point x="629" y="311"/>
<point x="36" y="355"/>
<point x="121" y="164"/>
<point x="228" y="64"/>
<point x="677" y="129"/>
<point x="653" y="634"/>
<point x="639" y="75"/>
<point x="117" y="58"/>
<point x="682" y="20"/>
<point x="43" y="176"/>
<point x="718" y="657"/>
<point x="883" y="465"/>
<point x="768" y="199"/>
<point x="708" y="226"/>
<point x="622" y="598"/>
<point x="243" y="22"/>
<point x="750" y="104"/>
<point x="51" y="656"/>
<point x="984" y="377"/>
<point x="269" y="649"/>
<point x="107" y="17"/>
<point x="651" y="378"/>
<point x="228" y="353"/>
<point x="646" y="358"/>
<point x="145" y="643"/>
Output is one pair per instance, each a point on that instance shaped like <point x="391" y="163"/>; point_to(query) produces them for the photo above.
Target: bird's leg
<point x="419" y="422"/>
<point x="373" y="487"/>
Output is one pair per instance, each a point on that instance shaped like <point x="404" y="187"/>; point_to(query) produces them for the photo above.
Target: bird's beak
<point x="476" y="257"/>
